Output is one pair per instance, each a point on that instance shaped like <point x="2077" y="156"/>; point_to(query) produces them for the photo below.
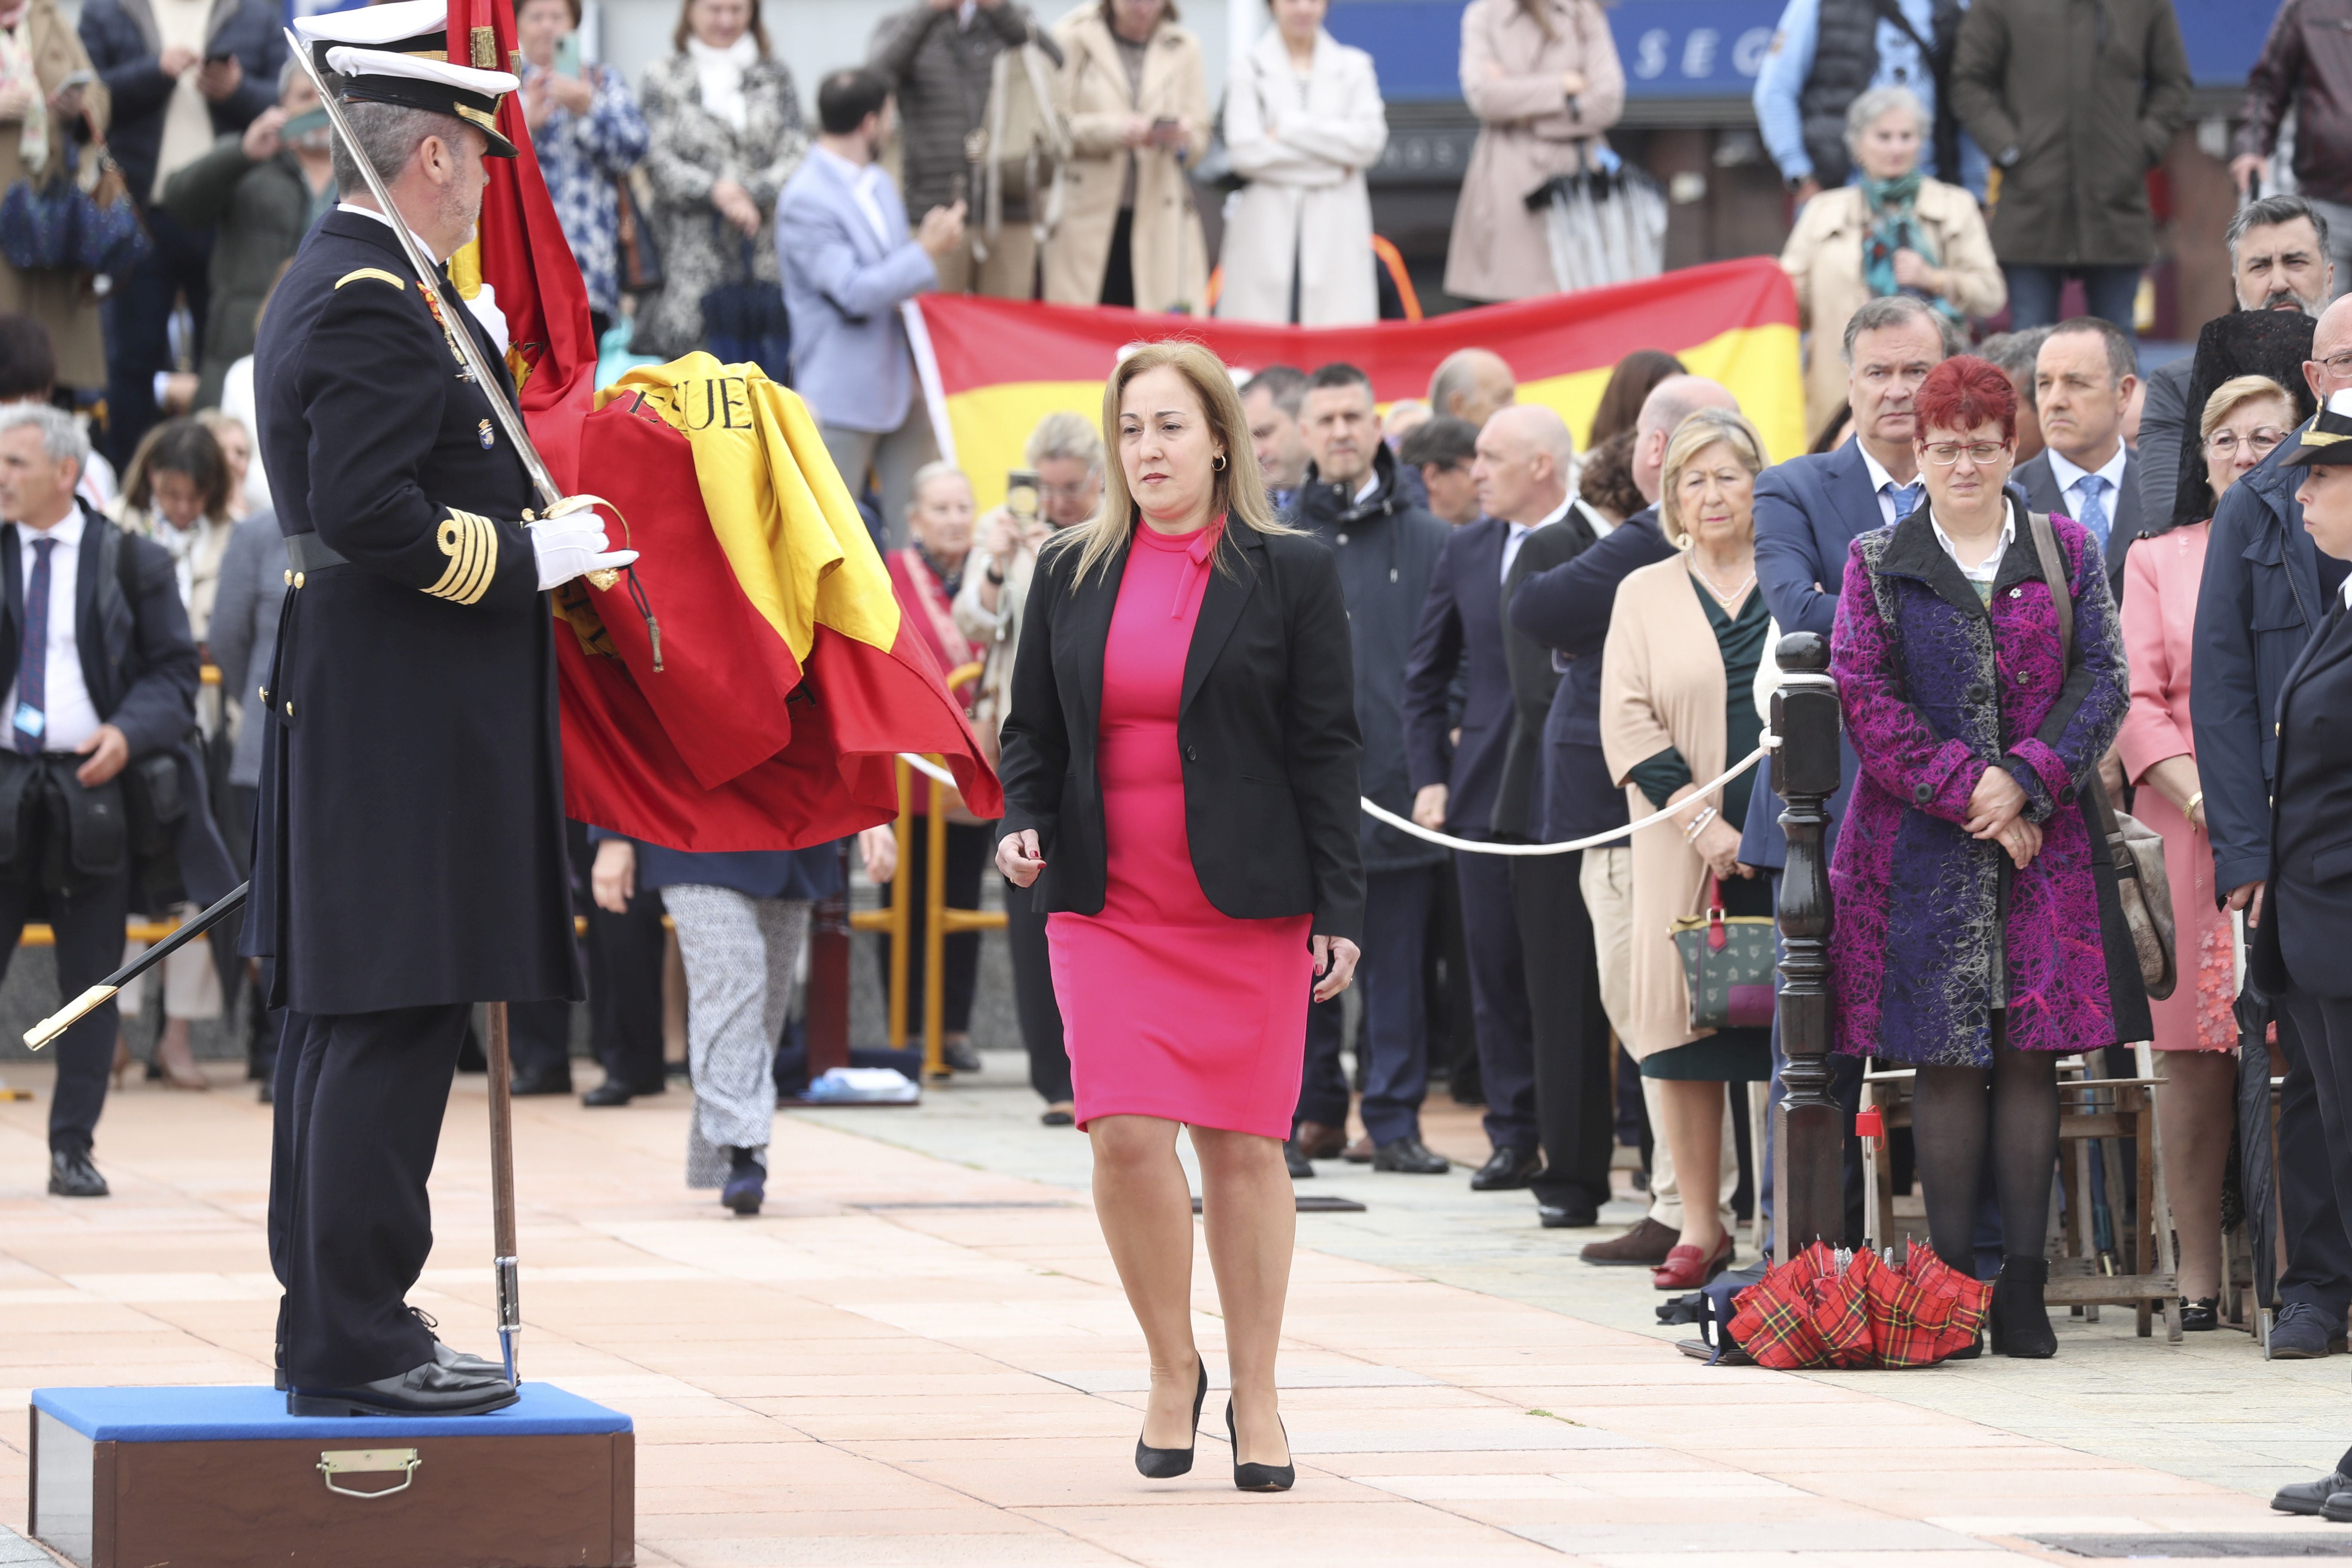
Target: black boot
<point x="2021" y="1327"/>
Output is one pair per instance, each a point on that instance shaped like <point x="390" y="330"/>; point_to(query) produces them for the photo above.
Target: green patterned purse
<point x="1727" y="965"/>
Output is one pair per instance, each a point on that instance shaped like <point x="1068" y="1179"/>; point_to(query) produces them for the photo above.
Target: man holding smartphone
<point x="180" y="73"/>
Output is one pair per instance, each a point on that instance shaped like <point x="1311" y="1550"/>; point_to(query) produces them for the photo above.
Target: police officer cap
<point x="419" y="27"/>
<point x="379" y="76"/>
<point x="2326" y="439"/>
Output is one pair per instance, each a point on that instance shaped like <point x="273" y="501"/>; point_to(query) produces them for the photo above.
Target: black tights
<point x="1948" y="1107"/>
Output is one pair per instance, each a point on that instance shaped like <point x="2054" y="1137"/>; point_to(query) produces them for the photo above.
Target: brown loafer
<point x="1361" y="1151"/>
<point x="1645" y="1247"/>
<point x="1686" y="1268"/>
<point x="1319" y="1141"/>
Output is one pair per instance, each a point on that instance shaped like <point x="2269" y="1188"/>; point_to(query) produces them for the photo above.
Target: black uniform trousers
<point x="2314" y="1159"/>
<point x="625" y="992"/>
<point x="360" y="1099"/>
<point x="1575" y="1123"/>
<point x="1393" y="1041"/>
<point x="1498" y="994"/>
<point x="88" y="926"/>
<point x="1033" y="997"/>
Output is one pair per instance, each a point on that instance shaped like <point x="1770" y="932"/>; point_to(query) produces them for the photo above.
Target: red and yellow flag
<point x="1003" y="366"/>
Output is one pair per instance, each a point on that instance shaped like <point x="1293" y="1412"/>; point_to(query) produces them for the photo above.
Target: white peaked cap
<point x="371" y="26"/>
<point x="2341" y="402"/>
<point x="347" y="61"/>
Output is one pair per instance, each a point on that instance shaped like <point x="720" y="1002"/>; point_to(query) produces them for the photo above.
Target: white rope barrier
<point x="1473" y="847"/>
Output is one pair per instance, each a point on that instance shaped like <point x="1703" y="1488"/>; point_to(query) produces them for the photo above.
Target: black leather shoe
<point x="1301" y="1167"/>
<point x="432" y="1389"/>
<point x="71" y="1175"/>
<point x="613" y="1092"/>
<point x="455" y="1360"/>
<point x="1556" y="1216"/>
<point x="1410" y="1156"/>
<point x="1506" y="1169"/>
<point x="2301" y="1332"/>
<point x="2310" y="1497"/>
<point x="959" y="1056"/>
<point x="1257" y="1477"/>
<point x="2337" y="1508"/>
<point x="543" y="1081"/>
<point x="2201" y="1316"/>
<point x="1167" y="1464"/>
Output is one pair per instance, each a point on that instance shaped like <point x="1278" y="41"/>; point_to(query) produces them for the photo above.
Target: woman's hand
<point x="613" y="879"/>
<point x="1719" y="845"/>
<point x="575" y="93"/>
<point x="1572" y="83"/>
<point x="1994" y="803"/>
<point x="878" y="849"/>
<point x="1000" y="537"/>
<point x="2022" y="840"/>
<point x="735" y="205"/>
<point x="1019" y="856"/>
<point x="1335" y="960"/>
<point x="1138" y="132"/>
<point x="535" y="104"/>
<point x="1912" y="270"/>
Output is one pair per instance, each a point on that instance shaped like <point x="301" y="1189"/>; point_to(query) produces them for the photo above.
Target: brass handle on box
<point x="334" y="1462"/>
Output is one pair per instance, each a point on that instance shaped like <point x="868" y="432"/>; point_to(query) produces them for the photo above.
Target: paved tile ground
<point x="920" y="1356"/>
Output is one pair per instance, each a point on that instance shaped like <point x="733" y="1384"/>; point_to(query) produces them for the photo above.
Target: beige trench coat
<point x="1511" y="78"/>
<point x="1172" y="267"/>
<point x="62" y="301"/>
<point x="1661" y="685"/>
<point x="1305" y="200"/>
<point x="1823" y="260"/>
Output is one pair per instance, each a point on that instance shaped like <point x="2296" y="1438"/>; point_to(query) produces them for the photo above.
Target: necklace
<point x="1721" y="597"/>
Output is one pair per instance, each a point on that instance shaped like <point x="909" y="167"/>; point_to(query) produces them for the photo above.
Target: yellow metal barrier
<point x="137" y="931"/>
<point x="939" y="922"/>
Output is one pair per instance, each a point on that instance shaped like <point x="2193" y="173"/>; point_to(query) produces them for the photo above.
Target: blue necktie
<point x="33" y="665"/>
<point x="2095" y="510"/>
<point x="1906" y="498"/>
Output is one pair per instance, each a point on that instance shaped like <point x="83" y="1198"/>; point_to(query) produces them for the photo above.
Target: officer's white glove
<point x="570" y="545"/>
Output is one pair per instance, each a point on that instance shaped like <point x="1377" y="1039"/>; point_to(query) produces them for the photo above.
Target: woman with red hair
<point x="1980" y="737"/>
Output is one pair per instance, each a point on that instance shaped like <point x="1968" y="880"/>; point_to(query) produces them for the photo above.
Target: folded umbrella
<point x="2257" y="1179"/>
<point x="1816" y="1312"/>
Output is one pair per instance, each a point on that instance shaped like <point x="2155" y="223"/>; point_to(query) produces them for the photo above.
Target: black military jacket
<point x="410" y="844"/>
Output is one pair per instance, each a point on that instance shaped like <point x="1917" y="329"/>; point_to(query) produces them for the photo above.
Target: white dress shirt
<point x="865" y="183"/>
<point x="2070" y="477"/>
<point x="1519" y="531"/>
<point x="1882" y="486"/>
<point x="70" y="716"/>
<point x="1984" y="571"/>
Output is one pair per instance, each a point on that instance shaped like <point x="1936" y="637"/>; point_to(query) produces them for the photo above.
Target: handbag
<point x="746" y="324"/>
<point x="2135" y="849"/>
<point x="1728" y="964"/>
<point x="56" y="226"/>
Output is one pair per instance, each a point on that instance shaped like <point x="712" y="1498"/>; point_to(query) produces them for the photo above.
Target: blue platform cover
<point x="229" y="1415"/>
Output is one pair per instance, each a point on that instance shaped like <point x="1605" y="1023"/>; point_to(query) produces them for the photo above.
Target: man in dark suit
<point x="100" y="674"/>
<point x="1525" y="459"/>
<point x="2082" y="383"/>
<point x="1388" y="550"/>
<point x="2264" y="595"/>
<point x="1567" y="1024"/>
<point x="1566" y="609"/>
<point x="402" y="873"/>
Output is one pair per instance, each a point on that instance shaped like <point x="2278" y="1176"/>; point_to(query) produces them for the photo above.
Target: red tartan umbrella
<point x="1809" y="1312"/>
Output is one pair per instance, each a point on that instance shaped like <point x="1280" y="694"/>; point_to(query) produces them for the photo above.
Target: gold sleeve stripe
<point x="378" y="273"/>
<point x="471" y="544"/>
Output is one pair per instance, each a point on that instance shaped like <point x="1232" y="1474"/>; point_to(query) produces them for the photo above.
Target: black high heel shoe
<point x="1259" y="1478"/>
<point x="1167" y="1464"/>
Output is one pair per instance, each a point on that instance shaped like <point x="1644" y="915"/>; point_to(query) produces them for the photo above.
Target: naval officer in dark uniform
<point x="409" y="856"/>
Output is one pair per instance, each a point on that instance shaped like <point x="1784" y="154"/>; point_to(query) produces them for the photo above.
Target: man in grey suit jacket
<point x="2082" y="382"/>
<point x="849" y="267"/>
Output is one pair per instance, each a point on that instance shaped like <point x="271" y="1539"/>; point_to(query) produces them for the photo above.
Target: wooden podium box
<point x="223" y="1477"/>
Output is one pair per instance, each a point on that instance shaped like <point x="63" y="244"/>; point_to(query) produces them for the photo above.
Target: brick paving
<point x="919" y="1354"/>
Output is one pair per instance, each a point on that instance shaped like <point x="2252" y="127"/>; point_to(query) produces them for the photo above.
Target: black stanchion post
<point x="1809" y="1179"/>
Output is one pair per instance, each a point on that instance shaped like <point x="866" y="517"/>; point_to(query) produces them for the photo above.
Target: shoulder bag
<point x="746" y="324"/>
<point x="2135" y="849"/>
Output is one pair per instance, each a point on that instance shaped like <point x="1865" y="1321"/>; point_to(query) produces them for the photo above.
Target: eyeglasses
<point x="2224" y="443"/>
<point x="1944" y="453"/>
<point x="1068" y="492"/>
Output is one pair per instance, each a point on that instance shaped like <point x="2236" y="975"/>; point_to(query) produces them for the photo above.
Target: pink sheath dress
<point x="1171" y="1008"/>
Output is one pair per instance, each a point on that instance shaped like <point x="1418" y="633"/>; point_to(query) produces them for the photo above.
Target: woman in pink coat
<point x="2243" y="420"/>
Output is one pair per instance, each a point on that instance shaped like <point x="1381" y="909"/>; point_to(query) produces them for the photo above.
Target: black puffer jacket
<point x="1386" y="548"/>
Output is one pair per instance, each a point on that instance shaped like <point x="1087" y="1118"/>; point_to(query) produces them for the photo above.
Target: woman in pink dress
<point x="2243" y="419"/>
<point x="1179" y="770"/>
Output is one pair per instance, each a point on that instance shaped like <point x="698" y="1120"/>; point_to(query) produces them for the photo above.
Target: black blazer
<point x="2307" y="923"/>
<point x="2126" y="519"/>
<point x="138" y="662"/>
<point x="1519" y="808"/>
<point x="1461" y="630"/>
<point x="1266" y="725"/>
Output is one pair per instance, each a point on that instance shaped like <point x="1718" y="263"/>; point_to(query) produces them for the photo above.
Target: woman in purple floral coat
<point x="1972" y="938"/>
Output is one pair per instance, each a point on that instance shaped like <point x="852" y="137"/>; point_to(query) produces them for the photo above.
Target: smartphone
<point x="1163" y="128"/>
<point x="567" y="55"/>
<point x="222" y="57"/>
<point x="1021" y="494"/>
<point x="77" y="79"/>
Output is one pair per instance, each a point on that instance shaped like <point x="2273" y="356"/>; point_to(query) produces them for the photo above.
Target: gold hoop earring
<point x="1217" y="463"/>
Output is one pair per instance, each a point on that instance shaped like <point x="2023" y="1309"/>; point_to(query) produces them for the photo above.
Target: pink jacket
<point x="2161" y="576"/>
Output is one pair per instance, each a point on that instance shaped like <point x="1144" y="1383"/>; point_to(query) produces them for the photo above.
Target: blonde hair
<point x="2235" y="394"/>
<point x="1238" y="489"/>
<point x="1066" y="434"/>
<point x="1695" y="434"/>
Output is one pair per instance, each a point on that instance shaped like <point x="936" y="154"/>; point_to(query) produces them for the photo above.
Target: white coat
<point x="1303" y="146"/>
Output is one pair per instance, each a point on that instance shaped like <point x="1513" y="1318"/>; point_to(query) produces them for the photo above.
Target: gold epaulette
<point x="471" y="544"/>
<point x="378" y="273"/>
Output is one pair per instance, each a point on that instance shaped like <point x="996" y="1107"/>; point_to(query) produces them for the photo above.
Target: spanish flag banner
<point x="1004" y="364"/>
<point x="788" y="677"/>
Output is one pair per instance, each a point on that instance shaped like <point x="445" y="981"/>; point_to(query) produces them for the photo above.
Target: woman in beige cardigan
<point x="1139" y="107"/>
<point x="1677" y="676"/>
<point x="39" y="121"/>
<point x="1543" y="77"/>
<point x="1893" y="230"/>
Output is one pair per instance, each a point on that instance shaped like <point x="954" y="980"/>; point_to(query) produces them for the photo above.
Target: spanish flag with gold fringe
<point x="1003" y="366"/>
<point x="789" y="678"/>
